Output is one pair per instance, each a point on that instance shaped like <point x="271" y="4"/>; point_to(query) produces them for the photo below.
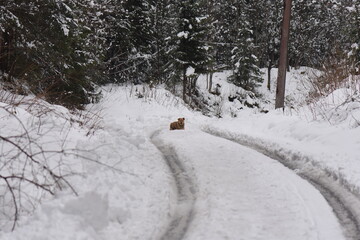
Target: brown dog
<point x="180" y="124"/>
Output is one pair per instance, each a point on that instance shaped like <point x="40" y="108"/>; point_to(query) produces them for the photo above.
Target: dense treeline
<point x="62" y="49"/>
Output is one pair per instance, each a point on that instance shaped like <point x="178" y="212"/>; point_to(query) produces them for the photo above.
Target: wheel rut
<point x="185" y="189"/>
<point x="345" y="203"/>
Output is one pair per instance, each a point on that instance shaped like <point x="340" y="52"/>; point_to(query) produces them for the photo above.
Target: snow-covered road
<point x="242" y="194"/>
<point x="185" y="189"/>
<point x="344" y="202"/>
<point x="249" y="178"/>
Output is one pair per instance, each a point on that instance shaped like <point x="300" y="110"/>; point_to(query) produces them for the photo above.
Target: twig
<point x="16" y="215"/>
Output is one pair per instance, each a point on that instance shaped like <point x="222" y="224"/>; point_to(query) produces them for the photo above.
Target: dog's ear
<point x="183" y="119"/>
<point x="179" y="119"/>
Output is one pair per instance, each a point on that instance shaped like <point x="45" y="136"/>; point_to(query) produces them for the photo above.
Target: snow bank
<point x="225" y="99"/>
<point x="340" y="107"/>
<point x="124" y="185"/>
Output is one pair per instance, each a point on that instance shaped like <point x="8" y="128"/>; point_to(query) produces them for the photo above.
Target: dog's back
<point x="180" y="124"/>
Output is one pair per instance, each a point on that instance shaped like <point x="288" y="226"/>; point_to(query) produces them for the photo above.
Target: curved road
<point x="345" y="204"/>
<point x="218" y="181"/>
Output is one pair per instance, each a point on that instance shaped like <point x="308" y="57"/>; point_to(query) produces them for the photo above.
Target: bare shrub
<point x="29" y="170"/>
<point x="335" y="93"/>
<point x="90" y="119"/>
<point x="150" y="93"/>
<point x="338" y="71"/>
<point x="35" y="161"/>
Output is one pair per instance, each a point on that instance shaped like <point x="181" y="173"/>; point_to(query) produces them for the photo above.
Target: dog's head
<point x="181" y="121"/>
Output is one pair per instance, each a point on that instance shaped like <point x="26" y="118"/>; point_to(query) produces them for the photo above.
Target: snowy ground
<point x="235" y="193"/>
<point x="241" y="194"/>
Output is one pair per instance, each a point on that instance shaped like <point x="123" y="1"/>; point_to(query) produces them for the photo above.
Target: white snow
<point x="190" y="71"/>
<point x="242" y="194"/>
<point x="127" y="191"/>
<point x="183" y="34"/>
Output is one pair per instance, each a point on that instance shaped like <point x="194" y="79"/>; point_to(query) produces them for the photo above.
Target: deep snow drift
<point x="127" y="191"/>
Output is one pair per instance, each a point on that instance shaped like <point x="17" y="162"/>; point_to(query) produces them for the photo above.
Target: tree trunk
<point x="280" y="89"/>
<point x="184" y="84"/>
<point x="193" y="83"/>
<point x="2" y="53"/>
<point x="269" y="76"/>
<point x="210" y="82"/>
<point x="207" y="81"/>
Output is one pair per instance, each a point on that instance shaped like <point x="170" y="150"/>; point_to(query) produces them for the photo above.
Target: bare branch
<point x="16" y="214"/>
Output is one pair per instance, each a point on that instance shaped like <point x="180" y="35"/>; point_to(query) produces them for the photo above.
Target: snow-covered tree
<point x="265" y="22"/>
<point x="353" y="31"/>
<point x="130" y="39"/>
<point x="190" y="48"/>
<point x="164" y="14"/>
<point x="61" y="49"/>
<point x="225" y="16"/>
<point x="319" y="31"/>
<point x="44" y="51"/>
<point x="246" y="72"/>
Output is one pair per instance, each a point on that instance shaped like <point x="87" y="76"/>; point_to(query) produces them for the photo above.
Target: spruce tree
<point x="45" y="51"/>
<point x="246" y="72"/>
<point x="190" y="47"/>
<point x="225" y="15"/>
<point x="353" y="31"/>
<point x="130" y="39"/>
<point x="163" y="15"/>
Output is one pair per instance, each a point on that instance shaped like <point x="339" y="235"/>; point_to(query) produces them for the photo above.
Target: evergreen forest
<point x="62" y="50"/>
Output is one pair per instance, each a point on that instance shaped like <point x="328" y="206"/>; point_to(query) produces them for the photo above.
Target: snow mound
<point x="224" y="98"/>
<point x="340" y="107"/>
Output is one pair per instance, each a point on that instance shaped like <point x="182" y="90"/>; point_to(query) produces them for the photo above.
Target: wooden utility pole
<point x="285" y="32"/>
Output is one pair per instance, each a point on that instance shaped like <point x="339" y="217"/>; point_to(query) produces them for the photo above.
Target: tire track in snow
<point x="186" y="193"/>
<point x="345" y="204"/>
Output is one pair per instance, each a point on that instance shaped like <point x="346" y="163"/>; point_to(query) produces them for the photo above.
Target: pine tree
<point x="246" y="72"/>
<point x="130" y="39"/>
<point x="317" y="32"/>
<point x="190" y="49"/>
<point x="209" y="10"/>
<point x="164" y="27"/>
<point x="43" y="50"/>
<point x="117" y="34"/>
<point x="225" y="15"/>
<point x="67" y="47"/>
<point x="265" y="24"/>
<point x="353" y="31"/>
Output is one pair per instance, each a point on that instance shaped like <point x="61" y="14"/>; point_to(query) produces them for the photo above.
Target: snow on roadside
<point x="340" y="107"/>
<point x="41" y="134"/>
<point x="227" y="99"/>
<point x="124" y="186"/>
<point x="298" y="84"/>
